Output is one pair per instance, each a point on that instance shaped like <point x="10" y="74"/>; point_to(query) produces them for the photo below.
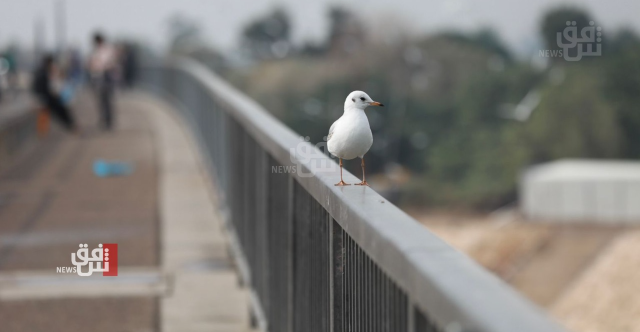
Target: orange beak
<point x="375" y="103"/>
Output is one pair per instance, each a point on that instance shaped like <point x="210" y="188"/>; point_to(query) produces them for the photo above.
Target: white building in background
<point x="575" y="190"/>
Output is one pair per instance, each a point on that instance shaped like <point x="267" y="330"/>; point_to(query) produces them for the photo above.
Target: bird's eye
<point x="362" y="98"/>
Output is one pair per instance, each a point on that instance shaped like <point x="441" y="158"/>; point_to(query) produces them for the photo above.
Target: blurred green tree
<point x="346" y="32"/>
<point x="268" y="36"/>
<point x="554" y="23"/>
<point x="574" y="119"/>
<point x="620" y="74"/>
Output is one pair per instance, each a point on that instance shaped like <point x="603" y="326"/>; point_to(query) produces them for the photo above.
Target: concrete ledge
<point x="205" y="295"/>
<point x="38" y="285"/>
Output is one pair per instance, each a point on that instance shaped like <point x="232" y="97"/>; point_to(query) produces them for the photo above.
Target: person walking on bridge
<point x="103" y="68"/>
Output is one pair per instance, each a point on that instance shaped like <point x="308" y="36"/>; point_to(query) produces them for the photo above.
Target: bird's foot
<point x="363" y="183"/>
<point x="342" y="183"/>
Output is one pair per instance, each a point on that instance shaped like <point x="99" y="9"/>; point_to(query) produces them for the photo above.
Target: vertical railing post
<point x="411" y="316"/>
<point x="260" y="226"/>
<point x="291" y="255"/>
<point x="337" y="268"/>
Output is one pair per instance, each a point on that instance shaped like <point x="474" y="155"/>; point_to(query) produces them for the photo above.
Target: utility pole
<point x="61" y="25"/>
<point x="38" y="37"/>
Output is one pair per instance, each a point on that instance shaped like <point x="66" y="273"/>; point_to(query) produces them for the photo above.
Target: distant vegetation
<point x="464" y="115"/>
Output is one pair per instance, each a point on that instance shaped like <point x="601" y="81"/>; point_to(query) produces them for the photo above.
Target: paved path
<point x="12" y="105"/>
<point x="174" y="274"/>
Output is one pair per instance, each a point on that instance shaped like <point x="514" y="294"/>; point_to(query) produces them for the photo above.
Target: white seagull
<point x="350" y="136"/>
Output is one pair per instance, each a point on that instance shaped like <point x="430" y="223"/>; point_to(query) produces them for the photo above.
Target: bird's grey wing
<point x="331" y="131"/>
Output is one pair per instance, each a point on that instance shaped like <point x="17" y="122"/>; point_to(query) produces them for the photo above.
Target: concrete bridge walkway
<point x="174" y="272"/>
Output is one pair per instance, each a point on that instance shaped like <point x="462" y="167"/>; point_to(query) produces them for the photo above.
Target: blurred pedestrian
<point x="129" y="65"/>
<point x="42" y="88"/>
<point x="103" y="68"/>
<point x="12" y="71"/>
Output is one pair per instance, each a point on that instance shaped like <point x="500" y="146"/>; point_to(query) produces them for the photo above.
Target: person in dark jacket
<point x="42" y="89"/>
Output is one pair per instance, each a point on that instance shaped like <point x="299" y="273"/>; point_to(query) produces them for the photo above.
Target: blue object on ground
<point x="67" y="93"/>
<point x="104" y="168"/>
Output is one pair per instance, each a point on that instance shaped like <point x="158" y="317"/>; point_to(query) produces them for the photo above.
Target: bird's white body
<point x="350" y="136"/>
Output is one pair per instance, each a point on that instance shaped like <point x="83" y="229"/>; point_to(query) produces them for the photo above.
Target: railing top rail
<point x="447" y="285"/>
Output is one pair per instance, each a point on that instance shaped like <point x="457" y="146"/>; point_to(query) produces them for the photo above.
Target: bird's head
<point x="360" y="100"/>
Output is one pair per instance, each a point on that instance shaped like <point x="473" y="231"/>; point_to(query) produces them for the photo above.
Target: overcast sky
<point x="515" y="20"/>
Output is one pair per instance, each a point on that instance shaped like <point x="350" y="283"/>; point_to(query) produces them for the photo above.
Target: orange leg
<point x="364" y="181"/>
<point x="341" y="183"/>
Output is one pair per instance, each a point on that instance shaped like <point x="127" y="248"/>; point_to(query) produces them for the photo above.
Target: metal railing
<point x="323" y="258"/>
